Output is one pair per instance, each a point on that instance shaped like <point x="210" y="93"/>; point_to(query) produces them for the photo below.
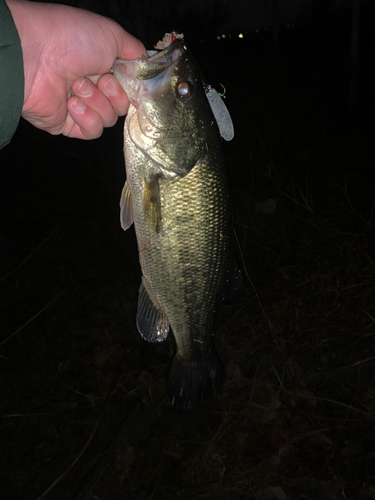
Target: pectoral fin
<point x="126" y="207"/>
<point x="152" y="323"/>
<point x="151" y="203"/>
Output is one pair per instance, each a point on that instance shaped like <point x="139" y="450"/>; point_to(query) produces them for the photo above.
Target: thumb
<point x="129" y="47"/>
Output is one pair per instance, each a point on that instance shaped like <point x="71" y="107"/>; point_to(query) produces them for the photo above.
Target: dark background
<point x="84" y="413"/>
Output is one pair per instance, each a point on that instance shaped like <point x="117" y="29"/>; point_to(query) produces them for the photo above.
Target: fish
<point x="176" y="194"/>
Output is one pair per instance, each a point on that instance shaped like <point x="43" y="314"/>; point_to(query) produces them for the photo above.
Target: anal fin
<point x="152" y="323"/>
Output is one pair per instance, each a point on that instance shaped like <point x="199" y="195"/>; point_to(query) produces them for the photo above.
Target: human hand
<point x="71" y="50"/>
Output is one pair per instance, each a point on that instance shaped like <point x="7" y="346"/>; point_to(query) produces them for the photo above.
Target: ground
<point x="84" y="414"/>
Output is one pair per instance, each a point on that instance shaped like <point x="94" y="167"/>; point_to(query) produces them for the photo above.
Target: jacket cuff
<point x="11" y="76"/>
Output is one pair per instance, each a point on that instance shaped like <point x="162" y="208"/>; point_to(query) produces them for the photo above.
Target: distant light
<point x="265" y="29"/>
<point x="256" y="31"/>
<point x="222" y="36"/>
<point x="240" y="35"/>
<point x="218" y="38"/>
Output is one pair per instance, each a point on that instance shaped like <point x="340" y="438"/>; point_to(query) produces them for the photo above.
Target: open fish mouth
<point x="148" y="75"/>
<point x="171" y="53"/>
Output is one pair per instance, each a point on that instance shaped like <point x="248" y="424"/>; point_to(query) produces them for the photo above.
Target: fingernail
<point x="79" y="106"/>
<point x="110" y="88"/>
<point x="85" y="88"/>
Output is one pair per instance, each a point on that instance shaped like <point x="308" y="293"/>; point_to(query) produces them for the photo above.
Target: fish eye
<point x="184" y="90"/>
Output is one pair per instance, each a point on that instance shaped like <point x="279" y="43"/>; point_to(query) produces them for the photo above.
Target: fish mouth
<point x="169" y="54"/>
<point x="148" y="75"/>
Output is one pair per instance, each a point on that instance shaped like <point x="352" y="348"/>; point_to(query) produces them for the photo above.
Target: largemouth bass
<point x="176" y="194"/>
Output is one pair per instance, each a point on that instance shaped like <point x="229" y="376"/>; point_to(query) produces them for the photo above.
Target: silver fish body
<point x="176" y="194"/>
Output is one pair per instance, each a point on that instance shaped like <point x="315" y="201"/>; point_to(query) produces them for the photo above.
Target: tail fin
<point x="191" y="381"/>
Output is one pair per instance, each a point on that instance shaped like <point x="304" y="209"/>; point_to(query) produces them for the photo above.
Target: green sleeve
<point x="11" y="76"/>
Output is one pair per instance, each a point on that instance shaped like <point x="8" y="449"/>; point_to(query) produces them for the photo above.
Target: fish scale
<point x="182" y="264"/>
